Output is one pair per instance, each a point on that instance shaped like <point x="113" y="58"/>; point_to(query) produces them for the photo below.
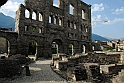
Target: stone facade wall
<point x="46" y="23"/>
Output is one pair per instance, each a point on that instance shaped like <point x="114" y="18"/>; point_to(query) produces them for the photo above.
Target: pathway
<point x="41" y="72"/>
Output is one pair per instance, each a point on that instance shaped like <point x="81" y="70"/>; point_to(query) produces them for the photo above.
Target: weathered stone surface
<point x="13" y="65"/>
<point x="44" y="23"/>
<point x="9" y="68"/>
<point x="96" y="67"/>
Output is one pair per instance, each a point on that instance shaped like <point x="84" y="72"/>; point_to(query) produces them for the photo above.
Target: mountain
<point x="6" y="21"/>
<point x="98" y="37"/>
<point x="122" y="38"/>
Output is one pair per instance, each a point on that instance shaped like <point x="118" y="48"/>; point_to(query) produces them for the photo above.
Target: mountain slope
<point x="97" y="37"/>
<point x="6" y="21"/>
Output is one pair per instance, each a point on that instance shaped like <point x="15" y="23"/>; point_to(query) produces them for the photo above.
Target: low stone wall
<point x="63" y="65"/>
<point x="111" y="69"/>
<point x="88" y="66"/>
<point x="100" y="58"/>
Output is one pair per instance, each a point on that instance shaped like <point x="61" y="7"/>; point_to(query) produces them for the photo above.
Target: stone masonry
<point x="41" y="21"/>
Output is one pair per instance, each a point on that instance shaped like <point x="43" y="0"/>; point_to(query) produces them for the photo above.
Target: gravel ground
<point x="41" y="72"/>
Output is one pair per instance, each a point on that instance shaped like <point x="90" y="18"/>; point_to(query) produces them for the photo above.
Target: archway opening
<point x="4" y="46"/>
<point x="83" y="48"/>
<point x="71" y="49"/>
<point x="93" y="48"/>
<point x="56" y="47"/>
<point x="32" y="49"/>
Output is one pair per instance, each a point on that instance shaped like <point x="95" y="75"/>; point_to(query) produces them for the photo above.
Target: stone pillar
<point x="13" y="49"/>
<point x="39" y="51"/>
<point x="65" y="48"/>
<point x="47" y="53"/>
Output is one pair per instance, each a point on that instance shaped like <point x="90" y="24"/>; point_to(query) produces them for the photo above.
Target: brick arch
<point x="57" y="35"/>
<point x="39" y="44"/>
<point x="28" y="38"/>
<point x="59" y="44"/>
<point x="12" y="38"/>
<point x="59" y="39"/>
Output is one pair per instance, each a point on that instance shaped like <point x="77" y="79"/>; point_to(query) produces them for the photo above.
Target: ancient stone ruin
<point x="43" y="25"/>
<point x="62" y="32"/>
<point x="94" y="67"/>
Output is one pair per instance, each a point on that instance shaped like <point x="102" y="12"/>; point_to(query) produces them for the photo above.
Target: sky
<point x="110" y="10"/>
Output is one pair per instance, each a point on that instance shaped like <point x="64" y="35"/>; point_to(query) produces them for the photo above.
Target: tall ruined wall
<point x="45" y="23"/>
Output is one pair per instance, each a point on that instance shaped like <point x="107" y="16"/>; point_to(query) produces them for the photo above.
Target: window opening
<point x="60" y="21"/>
<point x="87" y="29"/>
<point x="34" y="15"/>
<point x="71" y="49"/>
<point x="71" y="9"/>
<point x="26" y="28"/>
<point x="50" y="19"/>
<point x="83" y="14"/>
<point x="75" y="26"/>
<point x="56" y="3"/>
<point x="68" y="23"/>
<point x="33" y="29"/>
<point x="84" y="49"/>
<point x="40" y="30"/>
<point x="27" y="13"/>
<point x="71" y="25"/>
<point x="40" y="17"/>
<point x="55" y="20"/>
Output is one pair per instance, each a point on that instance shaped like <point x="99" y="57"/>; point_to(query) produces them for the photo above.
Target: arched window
<point x="34" y="16"/>
<point x="27" y="13"/>
<point x="83" y="14"/>
<point x="71" y="9"/>
<point x="40" y="17"/>
<point x="56" y="3"/>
